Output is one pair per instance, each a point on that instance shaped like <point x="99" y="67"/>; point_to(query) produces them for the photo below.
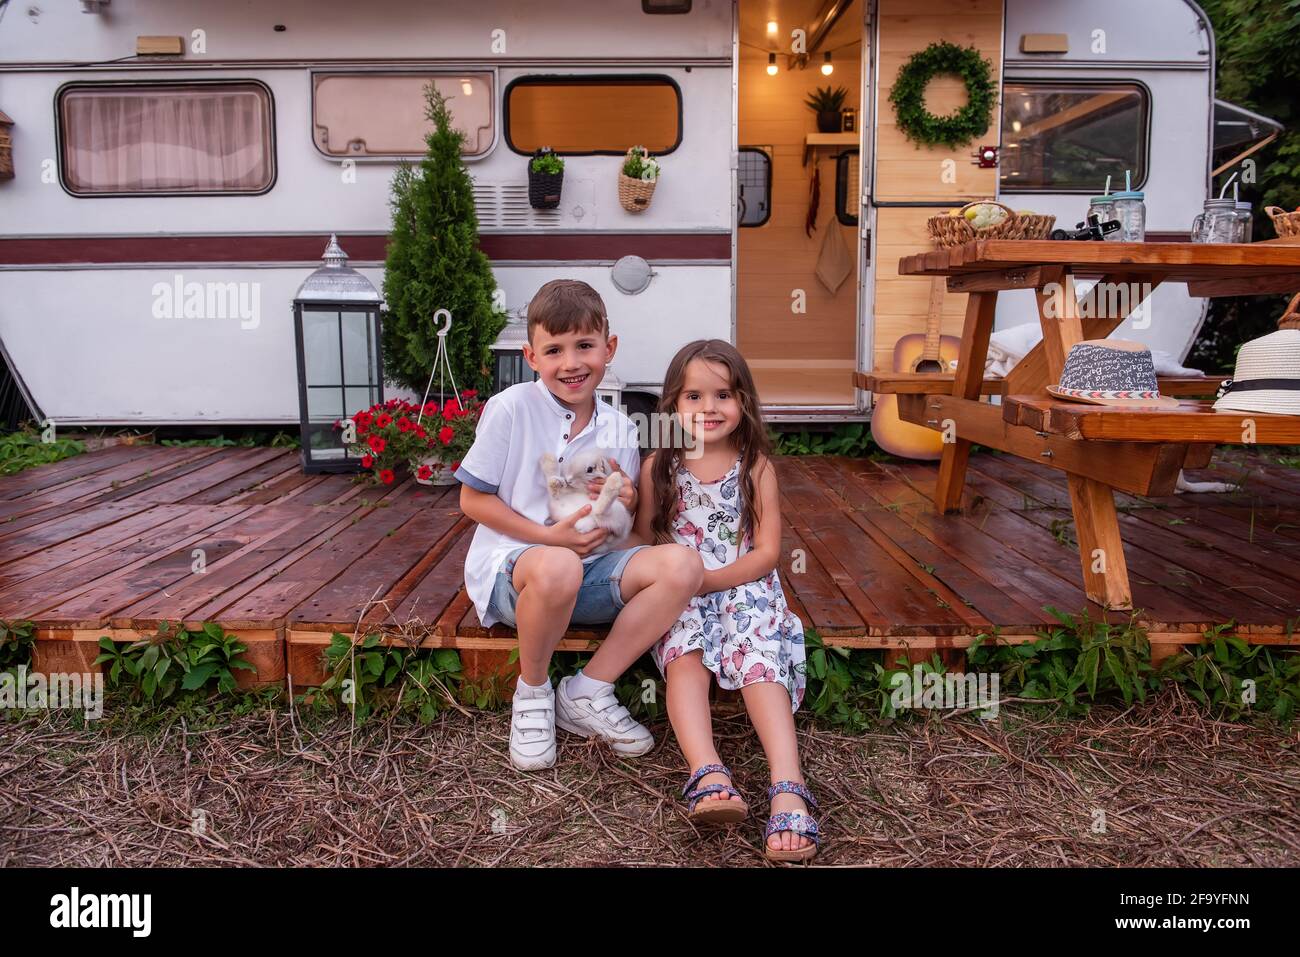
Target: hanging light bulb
<point x="771" y="64"/>
<point x="466" y="87"/>
<point x="827" y="67"/>
<point x="771" y="28"/>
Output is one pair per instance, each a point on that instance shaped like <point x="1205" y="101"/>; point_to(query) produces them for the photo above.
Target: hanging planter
<point x="637" y="179"/>
<point x="545" y="179"/>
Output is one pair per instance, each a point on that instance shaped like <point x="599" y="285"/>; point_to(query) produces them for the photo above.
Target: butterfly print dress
<point x="747" y="633"/>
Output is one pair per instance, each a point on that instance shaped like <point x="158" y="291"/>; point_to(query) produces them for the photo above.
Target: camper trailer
<point x="179" y="167"/>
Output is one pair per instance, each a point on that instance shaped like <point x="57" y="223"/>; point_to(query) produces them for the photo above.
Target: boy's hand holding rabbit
<point x="626" y="495"/>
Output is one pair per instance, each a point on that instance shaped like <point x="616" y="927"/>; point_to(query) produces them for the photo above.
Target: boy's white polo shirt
<point x="516" y="427"/>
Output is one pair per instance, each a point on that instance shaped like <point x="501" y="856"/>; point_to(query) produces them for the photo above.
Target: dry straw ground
<point x="1176" y="788"/>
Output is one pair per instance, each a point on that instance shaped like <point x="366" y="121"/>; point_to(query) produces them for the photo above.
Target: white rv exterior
<point x="88" y="314"/>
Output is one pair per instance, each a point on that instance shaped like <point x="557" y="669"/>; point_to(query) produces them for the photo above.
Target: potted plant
<point x="827" y="104"/>
<point x="637" y="179"/>
<point x="545" y="179"/>
<point x="429" y="440"/>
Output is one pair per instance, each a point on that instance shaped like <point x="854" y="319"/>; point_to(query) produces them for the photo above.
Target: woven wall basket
<point x="634" y="194"/>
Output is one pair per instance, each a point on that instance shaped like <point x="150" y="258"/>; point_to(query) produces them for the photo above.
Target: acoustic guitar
<point x="930" y="352"/>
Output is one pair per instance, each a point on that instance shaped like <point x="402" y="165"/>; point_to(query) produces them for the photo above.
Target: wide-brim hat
<point x="1267" y="376"/>
<point x="1114" y="372"/>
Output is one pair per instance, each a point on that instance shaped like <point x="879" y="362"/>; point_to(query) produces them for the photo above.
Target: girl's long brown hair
<point x="750" y="436"/>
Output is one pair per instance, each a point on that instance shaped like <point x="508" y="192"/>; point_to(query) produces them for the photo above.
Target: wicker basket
<point x="1286" y="224"/>
<point x="634" y="194"/>
<point x="6" y="150"/>
<point x="956" y="230"/>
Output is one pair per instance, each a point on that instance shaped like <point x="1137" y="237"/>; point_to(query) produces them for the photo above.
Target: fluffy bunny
<point x="567" y="484"/>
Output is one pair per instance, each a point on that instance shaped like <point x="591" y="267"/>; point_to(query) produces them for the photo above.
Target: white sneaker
<point x="602" y="716"/>
<point x="532" y="729"/>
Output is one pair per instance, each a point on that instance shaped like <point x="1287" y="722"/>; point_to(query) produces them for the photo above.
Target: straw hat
<point x="1267" y="376"/>
<point x="1111" y="372"/>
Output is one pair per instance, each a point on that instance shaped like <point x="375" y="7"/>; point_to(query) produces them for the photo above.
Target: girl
<point x="721" y="499"/>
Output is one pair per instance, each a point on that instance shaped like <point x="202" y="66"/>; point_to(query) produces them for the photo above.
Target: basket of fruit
<point x="988" y="219"/>
<point x="1286" y="224"/>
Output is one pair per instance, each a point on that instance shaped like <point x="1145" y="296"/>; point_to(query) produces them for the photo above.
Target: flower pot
<point x="634" y="195"/>
<point x="828" y="121"/>
<point x="544" y="189"/>
<point x="441" y="471"/>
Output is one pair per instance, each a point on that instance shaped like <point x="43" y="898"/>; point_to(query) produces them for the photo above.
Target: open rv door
<point x="1238" y="134"/>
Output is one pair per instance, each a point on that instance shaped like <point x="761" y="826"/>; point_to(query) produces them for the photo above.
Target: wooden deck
<point x="107" y="543"/>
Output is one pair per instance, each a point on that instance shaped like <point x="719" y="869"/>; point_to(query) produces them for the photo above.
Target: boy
<point x="537" y="577"/>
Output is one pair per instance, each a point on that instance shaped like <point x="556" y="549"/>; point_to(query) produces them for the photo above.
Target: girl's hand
<point x="706" y="585"/>
<point x="626" y="495"/>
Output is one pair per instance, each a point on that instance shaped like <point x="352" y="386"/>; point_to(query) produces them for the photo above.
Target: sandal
<point x="794" y="821"/>
<point x="716" y="811"/>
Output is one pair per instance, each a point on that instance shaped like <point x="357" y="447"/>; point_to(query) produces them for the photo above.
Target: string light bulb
<point x="827" y="67"/>
<point x="771" y="28"/>
<point x="771" y="64"/>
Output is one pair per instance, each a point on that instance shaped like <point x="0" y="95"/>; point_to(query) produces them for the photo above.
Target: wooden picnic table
<point x="1100" y="449"/>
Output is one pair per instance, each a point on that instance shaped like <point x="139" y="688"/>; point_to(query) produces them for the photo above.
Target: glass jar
<point x="1219" y="222"/>
<point x="1103" y="207"/>
<point x="1131" y="211"/>
<point x="1246" y="222"/>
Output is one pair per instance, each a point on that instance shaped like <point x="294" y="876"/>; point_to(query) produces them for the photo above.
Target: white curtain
<point x="167" y="139"/>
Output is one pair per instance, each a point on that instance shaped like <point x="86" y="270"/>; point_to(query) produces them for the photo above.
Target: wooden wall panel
<point x="908" y="173"/>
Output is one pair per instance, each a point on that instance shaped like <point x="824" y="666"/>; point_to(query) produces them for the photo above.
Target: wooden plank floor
<point x="109" y="543"/>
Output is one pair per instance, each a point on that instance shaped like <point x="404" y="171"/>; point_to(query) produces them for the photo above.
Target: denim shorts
<point x="599" y="598"/>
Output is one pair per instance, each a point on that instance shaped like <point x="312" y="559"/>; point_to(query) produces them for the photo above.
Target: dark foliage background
<point x="1258" y="58"/>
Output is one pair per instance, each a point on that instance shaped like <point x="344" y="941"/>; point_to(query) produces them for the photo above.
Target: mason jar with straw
<point x="1103" y="207"/>
<point x="1131" y="211"/>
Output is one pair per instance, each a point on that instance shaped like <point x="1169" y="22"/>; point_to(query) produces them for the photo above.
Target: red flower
<point x="383" y="420"/>
<point x="455" y="465"/>
<point x="404" y="424"/>
<point x="469" y="393"/>
<point x="377" y="444"/>
<point x="362" y="419"/>
<point x="387" y="476"/>
<point x="419" y="430"/>
<point x="431" y="408"/>
<point x="445" y="434"/>
<point x="367" y="461"/>
<point x="423" y="472"/>
<point x="452" y="409"/>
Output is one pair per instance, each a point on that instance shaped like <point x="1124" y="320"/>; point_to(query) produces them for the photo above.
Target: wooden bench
<point x="938" y="383"/>
<point x="1189" y="422"/>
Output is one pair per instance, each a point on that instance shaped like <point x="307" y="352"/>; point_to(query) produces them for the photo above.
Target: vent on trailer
<point x="505" y="205"/>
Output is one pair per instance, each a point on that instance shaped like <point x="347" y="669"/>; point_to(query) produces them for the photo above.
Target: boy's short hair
<point x="567" y="305"/>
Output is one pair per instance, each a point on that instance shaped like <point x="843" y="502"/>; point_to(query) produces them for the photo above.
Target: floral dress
<point x="747" y="633"/>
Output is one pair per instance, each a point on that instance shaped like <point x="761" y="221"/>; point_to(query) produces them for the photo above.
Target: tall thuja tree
<point x="434" y="263"/>
<point x="1258" y="63"/>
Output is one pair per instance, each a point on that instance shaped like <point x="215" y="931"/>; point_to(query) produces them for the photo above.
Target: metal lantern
<point x="509" y="366"/>
<point x="336" y="328"/>
<point x="610" y="389"/>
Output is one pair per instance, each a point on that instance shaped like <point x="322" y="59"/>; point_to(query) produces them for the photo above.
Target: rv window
<point x="1068" y="137"/>
<point x="754" y="186"/>
<point x="129" y="138"/>
<point x="593" y="114"/>
<point x="382" y="114"/>
<point x="848" y="187"/>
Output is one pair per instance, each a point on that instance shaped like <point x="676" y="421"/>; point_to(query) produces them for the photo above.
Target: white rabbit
<point x="567" y="484"/>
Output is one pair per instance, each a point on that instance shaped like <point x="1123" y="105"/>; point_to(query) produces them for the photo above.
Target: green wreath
<point x="908" y="95"/>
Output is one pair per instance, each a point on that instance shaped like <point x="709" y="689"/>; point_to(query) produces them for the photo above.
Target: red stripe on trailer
<point x="91" y="250"/>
